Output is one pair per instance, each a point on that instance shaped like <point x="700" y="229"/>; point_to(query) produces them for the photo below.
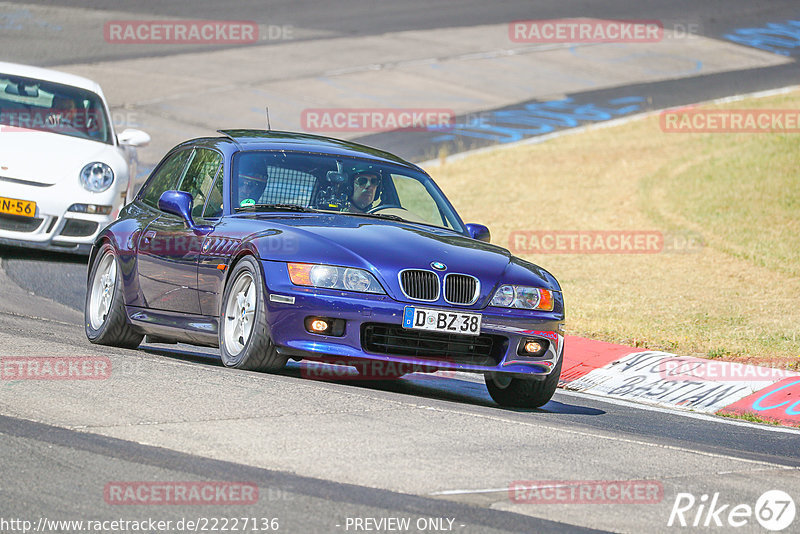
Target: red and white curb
<point x="664" y="379"/>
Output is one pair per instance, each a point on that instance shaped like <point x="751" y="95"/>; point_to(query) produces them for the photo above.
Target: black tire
<point x="258" y="352"/>
<point x="111" y="328"/>
<point x="522" y="392"/>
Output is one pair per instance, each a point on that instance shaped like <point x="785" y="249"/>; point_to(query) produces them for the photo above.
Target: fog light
<point x="325" y="326"/>
<point x="318" y="325"/>
<point x="533" y="347"/>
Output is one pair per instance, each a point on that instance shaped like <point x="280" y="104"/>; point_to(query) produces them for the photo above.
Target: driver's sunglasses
<point x="363" y="181"/>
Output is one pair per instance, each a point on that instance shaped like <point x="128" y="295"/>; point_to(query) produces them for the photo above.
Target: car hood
<point x="47" y="158"/>
<point x="387" y="247"/>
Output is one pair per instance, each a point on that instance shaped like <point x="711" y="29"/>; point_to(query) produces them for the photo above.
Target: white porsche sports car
<point x="64" y="172"/>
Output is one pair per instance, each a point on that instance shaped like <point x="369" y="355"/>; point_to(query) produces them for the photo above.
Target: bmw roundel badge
<point x="439" y="266"/>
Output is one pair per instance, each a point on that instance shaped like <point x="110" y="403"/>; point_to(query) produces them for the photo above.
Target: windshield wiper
<point x="276" y="207"/>
<point x="378" y="215"/>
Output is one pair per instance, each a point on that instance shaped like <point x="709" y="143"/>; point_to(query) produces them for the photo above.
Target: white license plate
<point x="442" y="321"/>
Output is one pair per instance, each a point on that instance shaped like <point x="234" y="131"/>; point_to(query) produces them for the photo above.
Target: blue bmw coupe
<point x="275" y="245"/>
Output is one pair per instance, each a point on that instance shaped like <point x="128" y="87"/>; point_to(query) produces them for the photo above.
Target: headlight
<point x="97" y="177"/>
<point x="331" y="277"/>
<point x="523" y="297"/>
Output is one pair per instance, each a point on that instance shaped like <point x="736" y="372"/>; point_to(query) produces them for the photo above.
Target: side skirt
<point x="193" y="329"/>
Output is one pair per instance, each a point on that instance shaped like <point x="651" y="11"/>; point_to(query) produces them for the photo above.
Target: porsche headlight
<point x="523" y="297"/>
<point x="97" y="177"/>
<point x="332" y="277"/>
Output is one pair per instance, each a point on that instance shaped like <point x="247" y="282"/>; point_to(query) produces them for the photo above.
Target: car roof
<point x="302" y="142"/>
<point x="49" y="75"/>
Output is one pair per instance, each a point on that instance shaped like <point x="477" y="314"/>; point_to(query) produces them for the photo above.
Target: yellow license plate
<point x="12" y="206"/>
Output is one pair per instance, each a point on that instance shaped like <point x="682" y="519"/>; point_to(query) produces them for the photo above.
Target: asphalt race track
<point x="325" y="454"/>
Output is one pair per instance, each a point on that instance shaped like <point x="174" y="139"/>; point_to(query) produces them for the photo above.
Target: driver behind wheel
<point x="253" y="178"/>
<point x="364" y="185"/>
<point x="63" y="113"/>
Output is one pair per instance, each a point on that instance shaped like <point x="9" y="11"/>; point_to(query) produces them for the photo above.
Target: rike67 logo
<point x="774" y="510"/>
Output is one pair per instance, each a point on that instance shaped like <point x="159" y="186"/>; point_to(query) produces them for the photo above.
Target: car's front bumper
<point x="53" y="227"/>
<point x="288" y="307"/>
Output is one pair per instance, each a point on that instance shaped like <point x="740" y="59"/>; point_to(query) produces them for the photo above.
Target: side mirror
<point x="180" y="203"/>
<point x="479" y="232"/>
<point x="133" y="137"/>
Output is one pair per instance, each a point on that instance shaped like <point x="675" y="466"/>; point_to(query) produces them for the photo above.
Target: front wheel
<point x="104" y="311"/>
<point x="244" y="340"/>
<point x="516" y="392"/>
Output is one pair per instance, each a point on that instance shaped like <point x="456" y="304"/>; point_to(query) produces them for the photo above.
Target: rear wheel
<point x="515" y="392"/>
<point x="244" y="340"/>
<point x="104" y="312"/>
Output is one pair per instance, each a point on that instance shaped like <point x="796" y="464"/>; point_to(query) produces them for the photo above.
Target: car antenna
<point x="268" y="126"/>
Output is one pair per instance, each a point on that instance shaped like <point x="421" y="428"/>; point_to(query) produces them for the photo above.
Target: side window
<point x="165" y="177"/>
<point x="415" y="198"/>
<point x="214" y="204"/>
<point x="200" y="177"/>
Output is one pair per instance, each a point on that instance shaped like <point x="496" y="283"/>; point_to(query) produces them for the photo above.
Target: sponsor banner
<point x="730" y="121"/>
<point x="585" y="31"/>
<point x="376" y="119"/>
<point x="638" y="377"/>
<point x="55" y="367"/>
<point x="180" y="493"/>
<point x="778" y="402"/>
<point x="586" y="492"/>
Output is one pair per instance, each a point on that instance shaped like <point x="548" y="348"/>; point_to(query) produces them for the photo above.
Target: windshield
<point x="272" y="180"/>
<point x="52" y="107"/>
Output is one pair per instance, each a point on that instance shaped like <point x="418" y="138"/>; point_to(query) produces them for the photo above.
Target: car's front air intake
<point x="461" y="289"/>
<point x="418" y="284"/>
<point x="15" y="223"/>
<point x="395" y="340"/>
